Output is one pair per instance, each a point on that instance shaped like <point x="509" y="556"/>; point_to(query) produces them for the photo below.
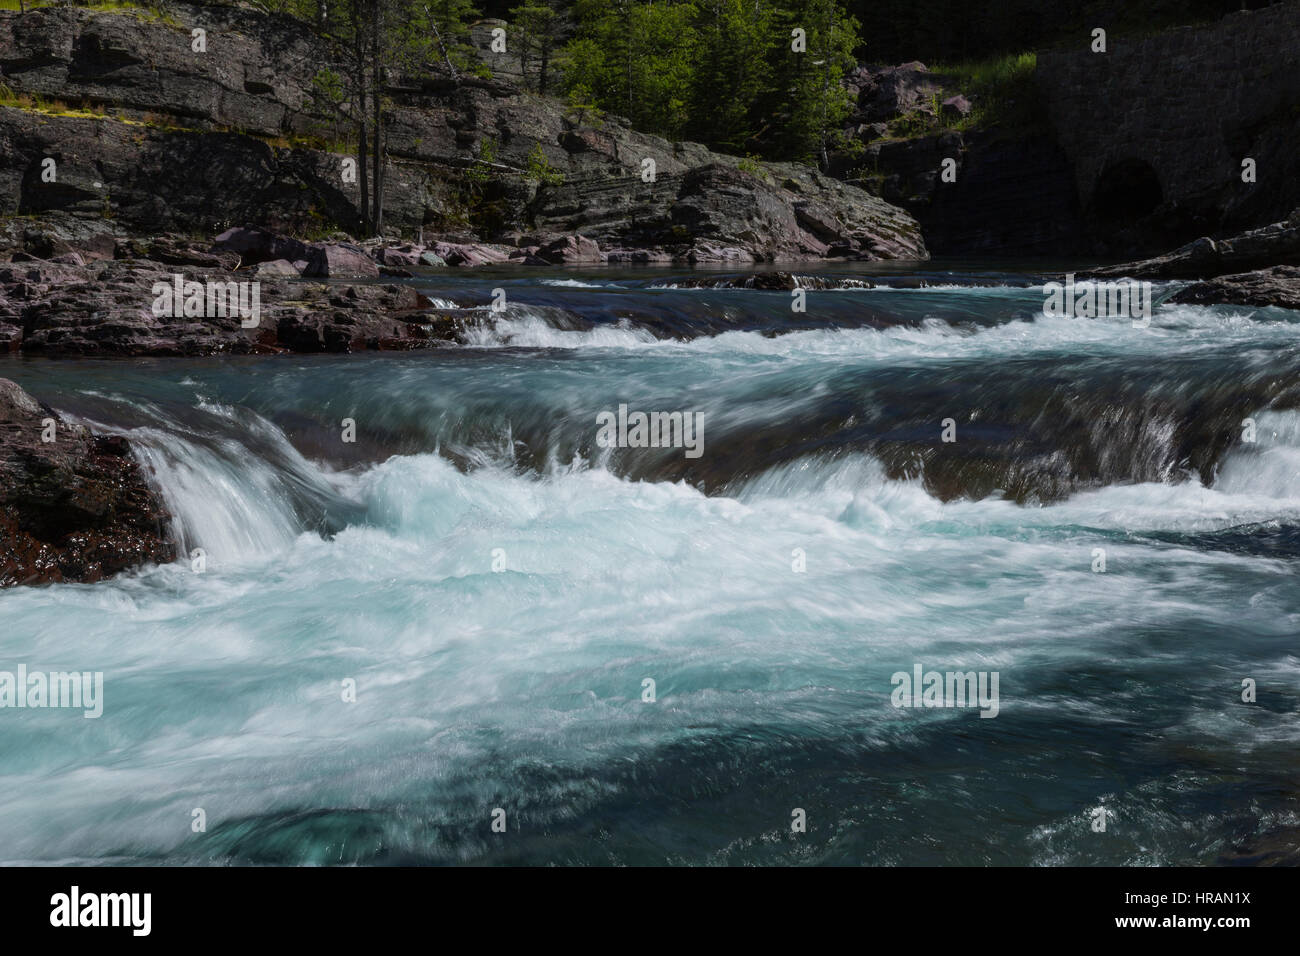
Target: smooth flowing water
<point x="499" y="586"/>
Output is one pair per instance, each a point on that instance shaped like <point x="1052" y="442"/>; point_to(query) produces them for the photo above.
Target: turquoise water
<point x="520" y="687"/>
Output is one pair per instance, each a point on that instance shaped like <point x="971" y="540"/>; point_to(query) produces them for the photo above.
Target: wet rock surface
<point x="1279" y="286"/>
<point x="1271" y="245"/>
<point x="75" y="507"/>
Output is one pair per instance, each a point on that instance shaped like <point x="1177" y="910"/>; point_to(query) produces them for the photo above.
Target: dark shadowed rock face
<point x="73" y="509"/>
<point x="1279" y="286"/>
<point x="1275" y="244"/>
<point x="1012" y="195"/>
<point x="1013" y="191"/>
<point x="1157" y="127"/>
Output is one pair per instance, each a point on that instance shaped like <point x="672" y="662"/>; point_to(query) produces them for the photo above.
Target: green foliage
<point x="149" y="11"/>
<point x="328" y="98"/>
<point x="638" y="57"/>
<point x="1002" y="89"/>
<point x="479" y="174"/>
<point x="582" y="106"/>
<point x="751" y="164"/>
<point x="722" y="72"/>
<point x="444" y="24"/>
<point x="813" y="101"/>
<point x="327" y="88"/>
<point x="911" y="123"/>
<point x="540" y="170"/>
<point x="733" y="71"/>
<point x="538" y="29"/>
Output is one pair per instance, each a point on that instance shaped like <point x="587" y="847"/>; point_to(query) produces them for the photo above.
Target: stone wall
<point x="1157" y="127"/>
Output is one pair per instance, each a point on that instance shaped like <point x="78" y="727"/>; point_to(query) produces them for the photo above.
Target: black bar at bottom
<point x="219" y="904"/>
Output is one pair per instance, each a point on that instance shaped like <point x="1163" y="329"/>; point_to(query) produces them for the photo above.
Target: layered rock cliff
<point x="148" y="133"/>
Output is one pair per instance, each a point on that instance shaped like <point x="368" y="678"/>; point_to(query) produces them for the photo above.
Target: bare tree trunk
<point x="378" y="204"/>
<point x="363" y="180"/>
<point x="441" y="46"/>
<point x="630" y="51"/>
<point x="359" y="79"/>
<point x="826" y="92"/>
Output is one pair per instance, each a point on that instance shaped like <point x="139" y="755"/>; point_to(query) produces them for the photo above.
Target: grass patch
<point x="1002" y="91"/>
<point x="139" y="11"/>
<point x="35" y="103"/>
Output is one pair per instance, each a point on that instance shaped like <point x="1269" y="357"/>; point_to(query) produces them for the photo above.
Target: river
<point x="498" y="587"/>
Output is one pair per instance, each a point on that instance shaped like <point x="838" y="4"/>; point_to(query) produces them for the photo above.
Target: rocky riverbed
<point x="70" y="305"/>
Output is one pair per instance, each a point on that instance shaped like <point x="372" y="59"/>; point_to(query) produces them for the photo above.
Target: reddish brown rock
<point x="570" y="250"/>
<point x="77" y="508"/>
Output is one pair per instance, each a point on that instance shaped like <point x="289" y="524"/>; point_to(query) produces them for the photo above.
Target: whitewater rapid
<point x="499" y="591"/>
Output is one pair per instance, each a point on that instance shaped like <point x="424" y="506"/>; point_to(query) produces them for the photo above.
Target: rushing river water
<point x="499" y="586"/>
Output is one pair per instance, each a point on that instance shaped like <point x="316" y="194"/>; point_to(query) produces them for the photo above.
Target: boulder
<point x="255" y="245"/>
<point x="955" y="107"/>
<point x="336" y="259"/>
<point x="469" y="254"/>
<point x="275" y="267"/>
<point x="570" y="250"/>
<point x="1275" y="244"/>
<point x="1278" y="286"/>
<point x="896" y="90"/>
<point x="77" y="508"/>
<point x="398" y="256"/>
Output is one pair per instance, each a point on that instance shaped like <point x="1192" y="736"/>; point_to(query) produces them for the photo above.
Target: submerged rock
<point x="768" y="281"/>
<point x="75" y="507"/>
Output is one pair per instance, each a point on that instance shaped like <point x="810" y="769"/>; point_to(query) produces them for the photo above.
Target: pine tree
<point x="637" y="58"/>
<point x="538" y="29"/>
<point x="447" y="23"/>
<point x="813" y="102"/>
<point x="733" y="72"/>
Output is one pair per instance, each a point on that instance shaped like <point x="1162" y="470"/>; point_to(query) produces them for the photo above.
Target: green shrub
<point x="540" y="170"/>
